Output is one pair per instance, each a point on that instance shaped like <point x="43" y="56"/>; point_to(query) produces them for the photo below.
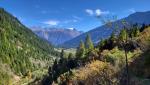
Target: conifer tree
<point x="62" y="57"/>
<point x="62" y="54"/>
<point x="101" y="44"/>
<point x="88" y="43"/>
<point x="70" y="56"/>
<point x="112" y="37"/>
<point x="123" y="35"/>
<point x="143" y="27"/>
<point x="137" y="32"/>
<point x="80" y="50"/>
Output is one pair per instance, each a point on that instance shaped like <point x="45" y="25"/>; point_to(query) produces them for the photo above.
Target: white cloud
<point x="89" y="11"/>
<point x="71" y="28"/>
<point x="57" y="22"/>
<point x="96" y="12"/>
<point x="52" y="22"/>
<point x="70" y="21"/>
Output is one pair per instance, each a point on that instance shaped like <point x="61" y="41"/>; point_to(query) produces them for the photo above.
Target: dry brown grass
<point x="144" y="39"/>
<point x="90" y="69"/>
<point x="94" y="72"/>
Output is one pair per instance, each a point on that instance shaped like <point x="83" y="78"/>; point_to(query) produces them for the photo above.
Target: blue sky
<point x="79" y="14"/>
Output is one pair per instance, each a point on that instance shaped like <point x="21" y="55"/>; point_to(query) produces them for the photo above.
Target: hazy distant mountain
<point x="104" y="31"/>
<point x="56" y="36"/>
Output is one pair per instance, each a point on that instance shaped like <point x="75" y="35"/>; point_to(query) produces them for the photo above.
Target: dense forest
<point x="122" y="59"/>
<point x="21" y="51"/>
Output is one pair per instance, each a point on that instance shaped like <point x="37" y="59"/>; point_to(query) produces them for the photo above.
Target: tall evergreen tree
<point x="123" y="35"/>
<point x="137" y="32"/>
<point x="143" y="27"/>
<point x="112" y="37"/>
<point x="70" y="56"/>
<point x="62" y="54"/>
<point x="80" y="50"/>
<point x="88" y="43"/>
<point x="101" y="44"/>
<point x="62" y="57"/>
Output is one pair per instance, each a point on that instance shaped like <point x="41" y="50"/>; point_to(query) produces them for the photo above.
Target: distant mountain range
<point x="56" y="36"/>
<point x="104" y="31"/>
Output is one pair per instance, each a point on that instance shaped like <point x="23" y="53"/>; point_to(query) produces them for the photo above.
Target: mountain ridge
<point x="104" y="31"/>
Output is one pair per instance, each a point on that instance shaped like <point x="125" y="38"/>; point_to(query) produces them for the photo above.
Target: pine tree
<point x="112" y="37"/>
<point x="132" y="33"/>
<point x="70" y="56"/>
<point x="62" y="54"/>
<point x="123" y="35"/>
<point x="101" y="44"/>
<point x="143" y="27"/>
<point x="80" y="50"/>
<point x="112" y="41"/>
<point x="88" y="43"/>
<point x="62" y="57"/>
<point x="137" y="32"/>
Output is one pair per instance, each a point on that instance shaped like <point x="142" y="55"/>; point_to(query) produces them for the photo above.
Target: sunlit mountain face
<point x="56" y="36"/>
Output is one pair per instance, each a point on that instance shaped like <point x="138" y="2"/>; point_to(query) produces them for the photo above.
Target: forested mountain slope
<point x="21" y="51"/>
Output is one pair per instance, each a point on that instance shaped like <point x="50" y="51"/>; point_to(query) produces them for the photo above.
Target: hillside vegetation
<point x="105" y="63"/>
<point x="21" y="51"/>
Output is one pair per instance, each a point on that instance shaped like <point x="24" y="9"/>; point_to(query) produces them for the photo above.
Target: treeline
<point x="87" y="51"/>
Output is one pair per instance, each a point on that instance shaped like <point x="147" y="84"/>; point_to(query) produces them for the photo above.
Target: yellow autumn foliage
<point x="90" y="70"/>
